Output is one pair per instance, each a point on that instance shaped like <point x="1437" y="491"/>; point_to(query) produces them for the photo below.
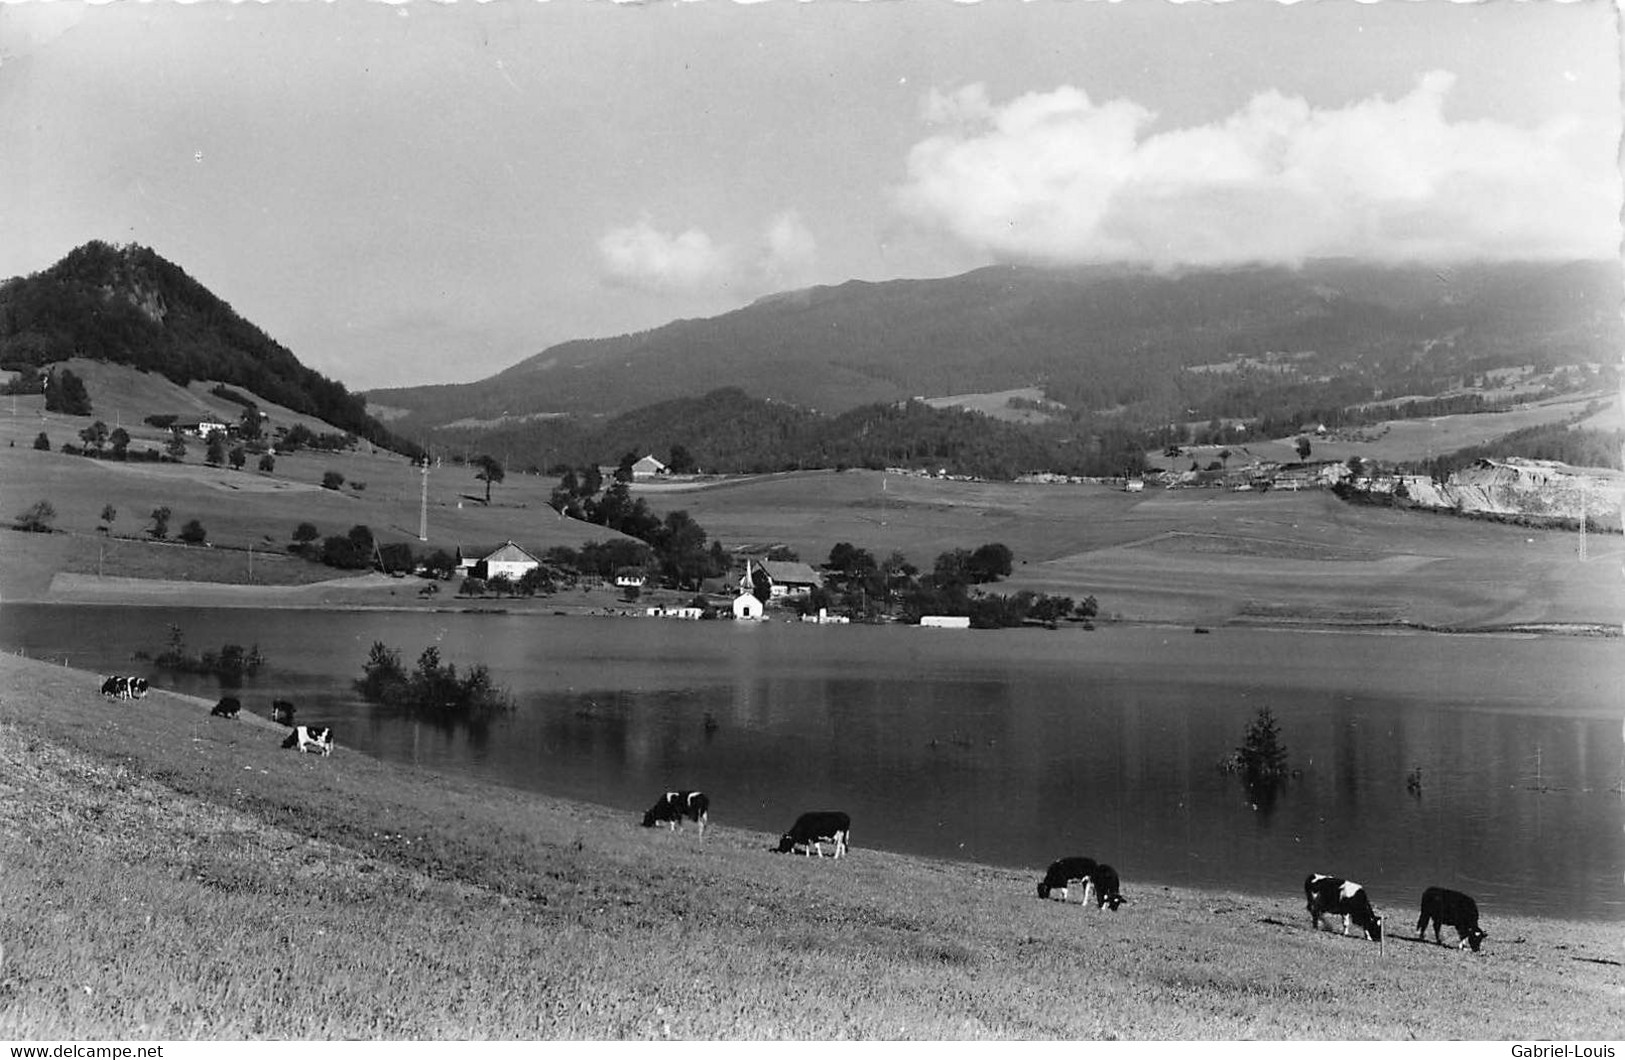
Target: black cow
<point x="1063" y="873"/>
<point x="1442" y="906"/>
<point x="812" y="830"/>
<point x="120" y="687"/>
<point x="226" y="708"/>
<point x="676" y="805"/>
<point x="282" y="712"/>
<point x="312" y="739"/>
<point x="1108" y="890"/>
<point x="1339" y="897"/>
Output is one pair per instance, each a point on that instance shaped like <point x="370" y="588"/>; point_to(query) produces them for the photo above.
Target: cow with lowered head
<point x="121" y="687"/>
<point x="1441" y="906"/>
<point x="812" y="830"/>
<point x="676" y="805"/>
<point x="310" y="738"/>
<point x="1340" y="897"/>
<point x="1063" y="873"/>
<point x="1108" y="889"/>
<point x="228" y="707"/>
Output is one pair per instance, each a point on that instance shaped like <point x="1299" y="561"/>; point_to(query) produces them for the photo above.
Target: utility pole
<point x="423" y="503"/>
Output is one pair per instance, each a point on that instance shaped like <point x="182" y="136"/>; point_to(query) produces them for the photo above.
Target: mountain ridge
<point x="1093" y="337"/>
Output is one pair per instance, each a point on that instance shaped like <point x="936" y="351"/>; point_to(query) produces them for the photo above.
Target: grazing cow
<point x="1108" y="890"/>
<point x="282" y="712"/>
<point x="1063" y="873"/>
<point x="226" y="708"/>
<point x="1329" y="894"/>
<point x="812" y="830"/>
<point x="312" y="739"/>
<point x="1442" y="906"/>
<point x="676" y="805"/>
<point x="119" y="687"/>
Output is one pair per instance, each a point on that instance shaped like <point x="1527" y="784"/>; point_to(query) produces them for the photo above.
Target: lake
<point x="1008" y="747"/>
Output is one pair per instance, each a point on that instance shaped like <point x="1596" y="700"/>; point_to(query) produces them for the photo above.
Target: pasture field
<point x="1200" y="556"/>
<point x="1197" y="556"/>
<point x="250" y="507"/>
<point x="1410" y="439"/>
<point x="173" y="875"/>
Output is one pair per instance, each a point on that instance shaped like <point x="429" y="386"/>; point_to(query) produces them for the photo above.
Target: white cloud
<point x="1056" y="177"/>
<point x="641" y="256"/>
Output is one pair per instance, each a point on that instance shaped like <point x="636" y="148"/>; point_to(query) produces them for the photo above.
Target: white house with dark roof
<point x="510" y="560"/>
<point x="786" y="578"/>
<point x="648" y="467"/>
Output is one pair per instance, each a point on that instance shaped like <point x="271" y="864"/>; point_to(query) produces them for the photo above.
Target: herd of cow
<point x="315" y="739"/>
<point x="1326" y="895"/>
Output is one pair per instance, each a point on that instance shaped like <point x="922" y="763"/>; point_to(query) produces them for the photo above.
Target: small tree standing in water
<point x="1261" y="758"/>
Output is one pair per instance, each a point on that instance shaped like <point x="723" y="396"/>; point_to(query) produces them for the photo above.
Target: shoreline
<point x="349" y="595"/>
<point x="347" y="897"/>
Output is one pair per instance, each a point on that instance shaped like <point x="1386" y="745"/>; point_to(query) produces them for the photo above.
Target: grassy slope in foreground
<point x="172" y="875"/>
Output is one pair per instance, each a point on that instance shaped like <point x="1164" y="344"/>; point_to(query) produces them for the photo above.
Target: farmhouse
<point x="509" y="560"/>
<point x="648" y="467"/>
<point x="786" y="578"/>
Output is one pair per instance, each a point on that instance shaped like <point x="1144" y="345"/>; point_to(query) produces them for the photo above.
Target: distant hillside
<point x="728" y="431"/>
<point x="1149" y="346"/>
<point x="127" y="305"/>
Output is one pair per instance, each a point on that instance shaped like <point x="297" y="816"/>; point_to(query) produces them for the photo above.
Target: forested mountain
<point x="1149" y="347"/>
<point x="128" y="305"/>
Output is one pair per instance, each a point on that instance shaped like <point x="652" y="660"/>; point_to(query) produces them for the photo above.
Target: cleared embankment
<point x="172" y="875"/>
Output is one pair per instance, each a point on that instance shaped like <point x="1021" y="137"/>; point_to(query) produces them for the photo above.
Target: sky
<point x="424" y="192"/>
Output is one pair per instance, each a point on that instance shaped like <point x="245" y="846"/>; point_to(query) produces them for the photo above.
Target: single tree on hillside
<point x="490" y="472"/>
<point x="120" y="440"/>
<point x="109" y="513"/>
<point x="36" y="518"/>
<point x="66" y="393"/>
<point x="267" y="463"/>
<point x="175" y="448"/>
<point x="217" y="448"/>
<point x="1303" y="447"/>
<point x="193" y="533"/>
<point x="160" y="523"/>
<point x="42" y="443"/>
<point x="304" y="535"/>
<point x="94" y="436"/>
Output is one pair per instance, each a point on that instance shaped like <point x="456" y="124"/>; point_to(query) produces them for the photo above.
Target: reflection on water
<point x="1008" y="747"/>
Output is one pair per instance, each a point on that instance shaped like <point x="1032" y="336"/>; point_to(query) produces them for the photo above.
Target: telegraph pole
<point x="423" y="503"/>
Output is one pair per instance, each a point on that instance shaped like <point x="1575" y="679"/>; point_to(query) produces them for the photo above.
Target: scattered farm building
<point x="509" y="560"/>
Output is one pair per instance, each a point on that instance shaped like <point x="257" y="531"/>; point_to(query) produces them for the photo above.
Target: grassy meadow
<point x="172" y="875"/>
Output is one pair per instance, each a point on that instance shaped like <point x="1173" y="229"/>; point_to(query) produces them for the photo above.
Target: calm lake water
<point x="1005" y="747"/>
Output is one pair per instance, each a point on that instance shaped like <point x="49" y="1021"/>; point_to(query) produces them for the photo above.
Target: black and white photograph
<point x="601" y="521"/>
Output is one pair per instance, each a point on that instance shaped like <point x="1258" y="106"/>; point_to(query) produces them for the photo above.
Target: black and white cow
<point x="121" y="687"/>
<point x="312" y="739"/>
<point x="1063" y="873"/>
<point x="226" y="708"/>
<point x="676" y="805"/>
<point x="812" y="830"/>
<point x="1108" y="889"/>
<point x="282" y="712"/>
<point x="1339" y="897"/>
<point x="1441" y="906"/>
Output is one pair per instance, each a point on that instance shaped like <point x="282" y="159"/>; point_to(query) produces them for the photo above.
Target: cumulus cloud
<point x="1056" y="177"/>
<point x="638" y="255"/>
<point x="690" y="262"/>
